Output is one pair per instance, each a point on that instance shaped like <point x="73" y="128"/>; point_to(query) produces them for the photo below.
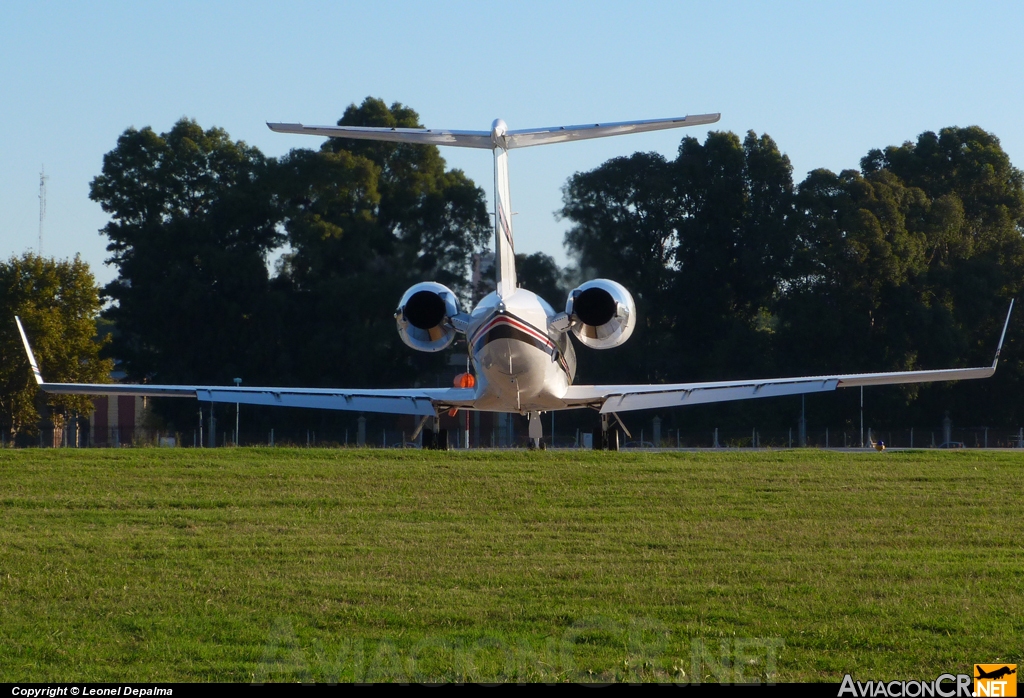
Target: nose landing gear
<point x="536" y="432"/>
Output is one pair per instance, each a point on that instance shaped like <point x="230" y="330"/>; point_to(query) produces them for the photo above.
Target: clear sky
<point x="828" y="81"/>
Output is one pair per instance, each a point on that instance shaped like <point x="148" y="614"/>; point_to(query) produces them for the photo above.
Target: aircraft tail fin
<point x="500" y="140"/>
<point x="28" y="350"/>
<point x="504" y="245"/>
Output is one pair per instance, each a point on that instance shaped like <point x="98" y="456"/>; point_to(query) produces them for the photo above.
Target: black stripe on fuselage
<point x="504" y="327"/>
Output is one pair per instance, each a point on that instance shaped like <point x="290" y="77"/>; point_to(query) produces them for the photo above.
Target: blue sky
<point x="828" y="81"/>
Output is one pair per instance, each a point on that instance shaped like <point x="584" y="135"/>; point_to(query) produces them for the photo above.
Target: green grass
<point x="340" y="565"/>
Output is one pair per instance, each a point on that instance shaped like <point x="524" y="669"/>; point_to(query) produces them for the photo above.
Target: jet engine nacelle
<point x="602" y="313"/>
<point x="424" y="316"/>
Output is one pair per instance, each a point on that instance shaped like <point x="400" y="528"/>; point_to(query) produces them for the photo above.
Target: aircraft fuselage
<point x="520" y="364"/>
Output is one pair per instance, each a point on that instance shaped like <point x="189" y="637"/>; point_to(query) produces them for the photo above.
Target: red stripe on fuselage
<point x="518" y="324"/>
<point x="526" y="329"/>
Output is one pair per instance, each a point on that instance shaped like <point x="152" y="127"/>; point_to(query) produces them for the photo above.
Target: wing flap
<point x="413" y="401"/>
<point x="704" y="395"/>
<point x="624" y="398"/>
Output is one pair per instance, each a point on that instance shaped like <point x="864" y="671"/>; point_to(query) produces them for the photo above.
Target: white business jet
<point x="522" y="358"/>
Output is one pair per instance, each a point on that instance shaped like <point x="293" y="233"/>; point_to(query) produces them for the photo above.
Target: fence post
<point x="802" y="440"/>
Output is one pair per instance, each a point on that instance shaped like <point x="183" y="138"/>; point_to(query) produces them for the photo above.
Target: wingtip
<point x="28" y="350"/>
<point x="1002" y="337"/>
<point x="698" y="119"/>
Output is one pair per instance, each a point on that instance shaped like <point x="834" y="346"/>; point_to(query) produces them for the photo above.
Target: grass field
<point x="340" y="565"/>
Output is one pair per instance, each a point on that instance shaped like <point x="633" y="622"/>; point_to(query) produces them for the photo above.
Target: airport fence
<point x="646" y="438"/>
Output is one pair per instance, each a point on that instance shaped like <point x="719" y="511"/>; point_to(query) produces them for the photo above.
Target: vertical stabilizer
<point x="504" y="247"/>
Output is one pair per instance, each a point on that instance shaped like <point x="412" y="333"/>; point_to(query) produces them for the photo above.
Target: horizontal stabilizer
<point x="559" y="134"/>
<point x="422" y="136"/>
<point x="491" y="139"/>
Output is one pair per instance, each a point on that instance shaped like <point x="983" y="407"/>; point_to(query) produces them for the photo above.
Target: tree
<point x="735" y="248"/>
<point x="58" y="303"/>
<point x="193" y="219"/>
<point x="365" y="221"/>
<point x="702" y="243"/>
<point x="975" y="227"/>
<point x="434" y="219"/>
<point x="909" y="263"/>
<point x="974" y="246"/>
<point x="540" y="273"/>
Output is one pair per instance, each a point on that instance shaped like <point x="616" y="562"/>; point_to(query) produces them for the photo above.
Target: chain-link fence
<point x="503" y="437"/>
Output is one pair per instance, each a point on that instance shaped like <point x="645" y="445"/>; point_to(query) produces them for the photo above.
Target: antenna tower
<point x="42" y="206"/>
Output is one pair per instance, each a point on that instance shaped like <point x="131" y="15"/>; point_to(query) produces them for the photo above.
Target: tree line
<point x="286" y="271"/>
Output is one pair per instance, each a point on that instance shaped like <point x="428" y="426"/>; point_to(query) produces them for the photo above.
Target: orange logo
<point x="995" y="680"/>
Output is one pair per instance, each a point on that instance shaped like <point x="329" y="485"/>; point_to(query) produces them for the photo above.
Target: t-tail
<point x="504" y="244"/>
<point x="499" y="140"/>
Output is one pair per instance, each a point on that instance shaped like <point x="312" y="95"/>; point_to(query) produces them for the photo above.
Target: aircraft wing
<point x="624" y="398"/>
<point x="417" y="401"/>
<point x="425" y="402"/>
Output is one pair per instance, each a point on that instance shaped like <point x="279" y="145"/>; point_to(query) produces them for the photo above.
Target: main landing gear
<point x="607" y="437"/>
<point x="435" y="439"/>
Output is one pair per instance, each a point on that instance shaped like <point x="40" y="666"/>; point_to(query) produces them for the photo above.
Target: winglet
<point x="1003" y="335"/>
<point x="28" y="350"/>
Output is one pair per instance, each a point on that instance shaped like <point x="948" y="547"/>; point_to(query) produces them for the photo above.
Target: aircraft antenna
<point x="42" y="206"/>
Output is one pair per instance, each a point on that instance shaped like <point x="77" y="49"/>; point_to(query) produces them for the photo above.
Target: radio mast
<point x="42" y="206"/>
